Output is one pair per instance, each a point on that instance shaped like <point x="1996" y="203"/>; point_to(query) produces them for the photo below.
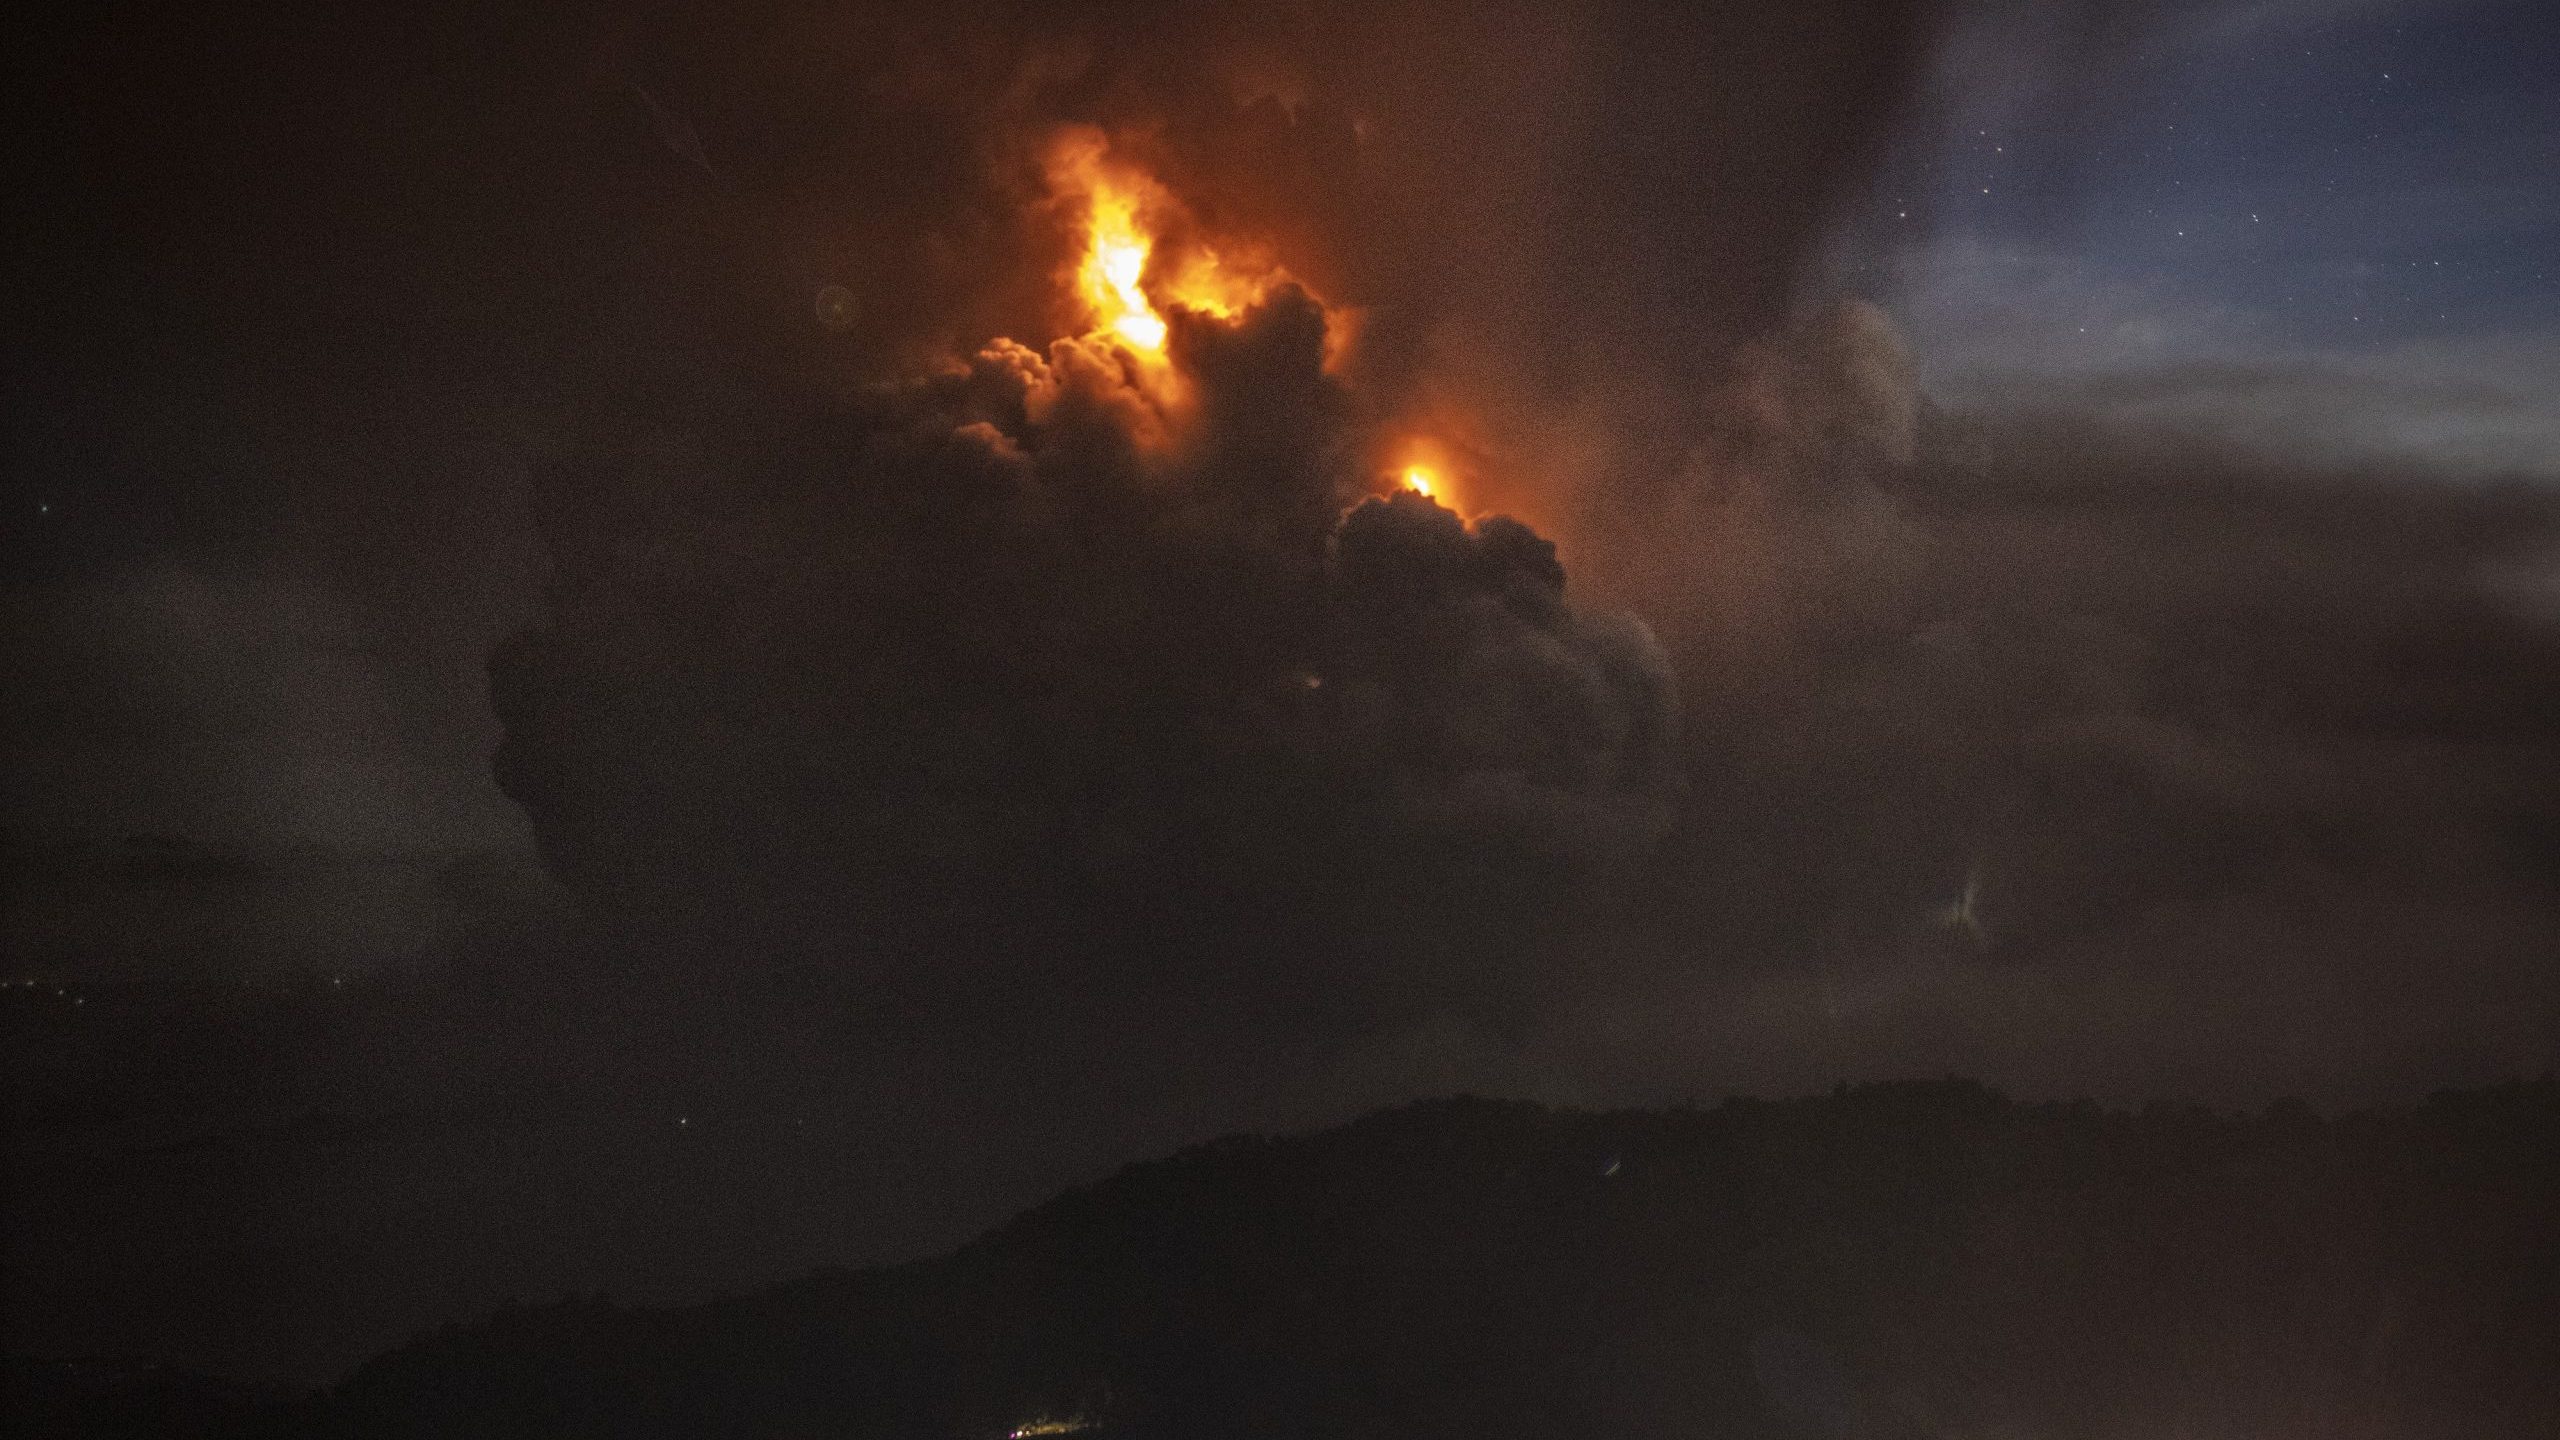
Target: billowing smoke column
<point x="1137" y="667"/>
<point x="1122" y="662"/>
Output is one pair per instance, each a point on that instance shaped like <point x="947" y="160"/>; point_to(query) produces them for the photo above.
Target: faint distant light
<point x="684" y="1120"/>
<point x="837" y="308"/>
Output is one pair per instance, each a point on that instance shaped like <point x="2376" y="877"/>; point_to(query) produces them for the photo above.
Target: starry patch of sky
<point x="2334" y="214"/>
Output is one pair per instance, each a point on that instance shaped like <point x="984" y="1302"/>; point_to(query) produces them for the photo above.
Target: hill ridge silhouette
<point x="1918" y="1258"/>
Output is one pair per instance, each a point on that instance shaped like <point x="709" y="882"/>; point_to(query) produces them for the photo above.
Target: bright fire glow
<point x="1420" y="480"/>
<point x="1115" y="261"/>
<point x="1129" y="265"/>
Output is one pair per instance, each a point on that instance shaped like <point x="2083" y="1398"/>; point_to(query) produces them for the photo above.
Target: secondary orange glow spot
<point x="1422" y="464"/>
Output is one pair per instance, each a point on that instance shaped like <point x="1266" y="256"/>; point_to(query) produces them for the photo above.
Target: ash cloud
<point x="2064" y="752"/>
<point x="996" y="673"/>
<point x="1021" y="659"/>
<point x="2216" y="750"/>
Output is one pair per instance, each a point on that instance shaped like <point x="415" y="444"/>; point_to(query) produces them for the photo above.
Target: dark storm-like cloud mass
<point x="2059" y="740"/>
<point x="1081" y="678"/>
<point x="989" y="678"/>
<point x="2039" y="748"/>
<point x="2003" y="604"/>
<point x="2063" y="753"/>
<point x="303" y="291"/>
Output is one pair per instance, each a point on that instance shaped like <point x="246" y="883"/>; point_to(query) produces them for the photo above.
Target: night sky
<point x="2347" y="204"/>
<point x="576" y="724"/>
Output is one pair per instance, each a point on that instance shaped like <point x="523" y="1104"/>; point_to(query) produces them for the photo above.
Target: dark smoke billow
<point x="992" y="676"/>
<point x="1038" y="693"/>
<point x="2028" y="749"/>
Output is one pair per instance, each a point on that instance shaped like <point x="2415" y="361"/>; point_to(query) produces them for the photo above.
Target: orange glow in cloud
<point x="1424" y="465"/>
<point x="1126" y="272"/>
<point x="1205" y="283"/>
<point x="1115" y="260"/>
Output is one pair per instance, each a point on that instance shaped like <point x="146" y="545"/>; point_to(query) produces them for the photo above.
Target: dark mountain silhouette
<point x="1923" y="1259"/>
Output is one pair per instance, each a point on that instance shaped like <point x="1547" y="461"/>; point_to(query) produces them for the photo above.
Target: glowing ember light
<point x="1420" y="480"/>
<point x="1115" y="260"/>
<point x="1049" y="1427"/>
<point x="1128" y="266"/>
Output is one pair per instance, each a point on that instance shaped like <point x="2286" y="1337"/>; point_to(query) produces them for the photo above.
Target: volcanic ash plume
<point x="1123" y="661"/>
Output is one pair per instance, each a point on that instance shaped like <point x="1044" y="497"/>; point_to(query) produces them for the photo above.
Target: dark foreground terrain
<point x="1896" y="1260"/>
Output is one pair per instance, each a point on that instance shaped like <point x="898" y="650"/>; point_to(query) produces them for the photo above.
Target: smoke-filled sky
<point x="625" y="668"/>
